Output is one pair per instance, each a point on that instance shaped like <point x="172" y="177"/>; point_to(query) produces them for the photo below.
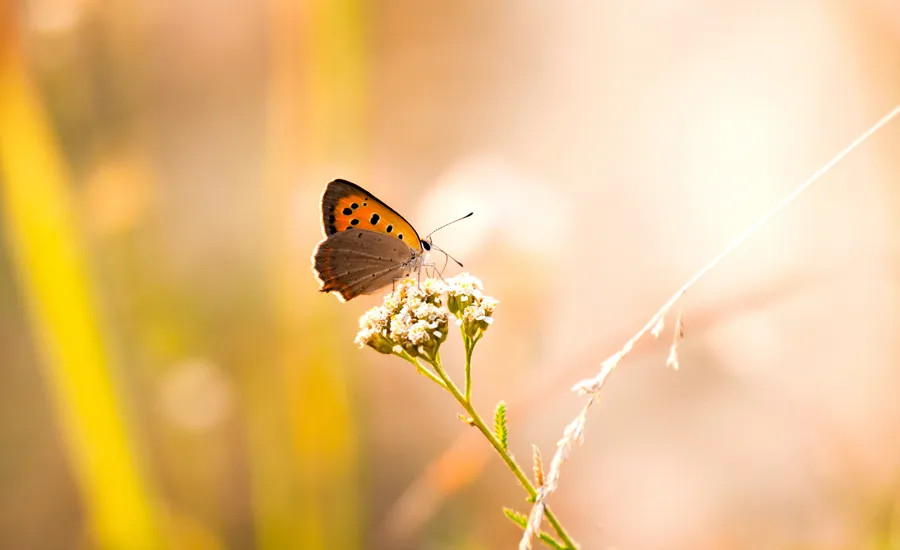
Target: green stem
<point x="470" y="347"/>
<point x="504" y="454"/>
<point x="422" y="370"/>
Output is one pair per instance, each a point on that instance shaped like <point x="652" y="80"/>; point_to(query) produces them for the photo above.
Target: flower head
<point x="465" y="300"/>
<point x="373" y="330"/>
<point x="411" y="319"/>
<point x="462" y="290"/>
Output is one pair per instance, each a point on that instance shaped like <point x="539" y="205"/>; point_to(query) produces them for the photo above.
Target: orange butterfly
<point x="367" y="244"/>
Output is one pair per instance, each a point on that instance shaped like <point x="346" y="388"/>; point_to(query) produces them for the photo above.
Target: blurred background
<point x="170" y="377"/>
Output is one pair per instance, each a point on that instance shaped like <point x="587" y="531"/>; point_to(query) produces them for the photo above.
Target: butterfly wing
<point x="346" y="206"/>
<point x="355" y="262"/>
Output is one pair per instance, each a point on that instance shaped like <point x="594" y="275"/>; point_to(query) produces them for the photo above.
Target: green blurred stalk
<point x="40" y="228"/>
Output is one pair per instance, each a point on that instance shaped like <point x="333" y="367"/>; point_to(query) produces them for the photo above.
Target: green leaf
<point x="500" y="425"/>
<point x="518" y="518"/>
<point x="521" y="520"/>
<point x="551" y="542"/>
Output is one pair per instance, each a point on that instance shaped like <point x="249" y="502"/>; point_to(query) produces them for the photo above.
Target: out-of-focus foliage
<point x="56" y="290"/>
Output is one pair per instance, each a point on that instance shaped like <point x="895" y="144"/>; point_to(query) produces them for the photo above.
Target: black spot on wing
<point x="389" y="228"/>
<point x="374" y="219"/>
<point x="347" y="211"/>
<point x="354" y="206"/>
<point x="354" y="221"/>
<point x="400" y="236"/>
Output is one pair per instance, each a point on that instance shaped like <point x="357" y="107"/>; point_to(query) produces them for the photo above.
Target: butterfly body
<point x="367" y="244"/>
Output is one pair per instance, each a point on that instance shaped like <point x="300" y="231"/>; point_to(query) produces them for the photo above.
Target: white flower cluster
<point x="413" y="319"/>
<point x="473" y="310"/>
<point x="410" y="319"/>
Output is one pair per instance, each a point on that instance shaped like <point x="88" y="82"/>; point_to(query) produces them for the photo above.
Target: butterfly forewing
<point x="346" y="206"/>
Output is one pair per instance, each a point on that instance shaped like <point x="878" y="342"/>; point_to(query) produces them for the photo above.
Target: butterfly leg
<point x="394" y="283"/>
<point x="434" y="270"/>
<point x="446" y="259"/>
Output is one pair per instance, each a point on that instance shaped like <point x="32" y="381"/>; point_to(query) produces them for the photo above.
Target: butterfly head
<point x="428" y="245"/>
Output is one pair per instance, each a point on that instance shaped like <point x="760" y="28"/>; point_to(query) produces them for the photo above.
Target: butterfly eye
<point x="426" y="245"/>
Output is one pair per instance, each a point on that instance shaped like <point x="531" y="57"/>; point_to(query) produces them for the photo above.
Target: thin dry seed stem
<point x="677" y="335"/>
<point x="592" y="386"/>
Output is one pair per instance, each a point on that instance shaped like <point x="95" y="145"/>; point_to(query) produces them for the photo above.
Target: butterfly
<point x="367" y="244"/>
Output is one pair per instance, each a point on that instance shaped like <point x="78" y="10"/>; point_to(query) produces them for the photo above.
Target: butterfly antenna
<point x="449" y="223"/>
<point x="444" y="252"/>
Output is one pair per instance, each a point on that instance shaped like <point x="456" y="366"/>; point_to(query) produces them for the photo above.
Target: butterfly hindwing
<point x="355" y="262"/>
<point x="346" y="206"/>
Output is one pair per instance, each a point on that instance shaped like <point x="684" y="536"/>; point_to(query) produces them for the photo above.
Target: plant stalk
<point x="422" y="369"/>
<point x="477" y="421"/>
<point x="470" y="347"/>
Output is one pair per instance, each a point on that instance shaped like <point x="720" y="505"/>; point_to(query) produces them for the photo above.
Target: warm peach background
<point x="608" y="149"/>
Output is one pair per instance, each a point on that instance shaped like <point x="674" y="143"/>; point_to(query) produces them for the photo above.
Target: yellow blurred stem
<point x="40" y="228"/>
<point x="322" y="424"/>
<point x="310" y="498"/>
